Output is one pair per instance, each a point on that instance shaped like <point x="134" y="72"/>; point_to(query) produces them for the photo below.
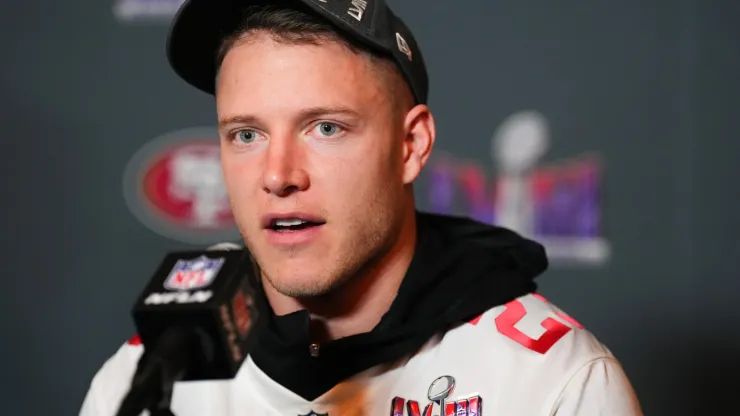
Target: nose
<point x="284" y="173"/>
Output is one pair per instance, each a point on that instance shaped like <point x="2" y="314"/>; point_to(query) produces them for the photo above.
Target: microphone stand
<point x="156" y="374"/>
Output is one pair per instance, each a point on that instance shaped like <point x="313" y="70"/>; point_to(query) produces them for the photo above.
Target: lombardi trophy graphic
<point x="516" y="147"/>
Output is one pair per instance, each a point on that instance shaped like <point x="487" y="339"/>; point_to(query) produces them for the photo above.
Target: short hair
<point x="298" y="25"/>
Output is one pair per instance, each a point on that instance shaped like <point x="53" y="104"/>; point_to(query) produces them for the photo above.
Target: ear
<point x="420" y="135"/>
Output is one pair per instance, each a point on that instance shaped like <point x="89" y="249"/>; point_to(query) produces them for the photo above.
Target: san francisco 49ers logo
<point x="439" y="393"/>
<point x="174" y="185"/>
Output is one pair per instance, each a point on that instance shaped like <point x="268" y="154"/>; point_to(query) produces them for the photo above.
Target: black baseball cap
<point x="199" y="27"/>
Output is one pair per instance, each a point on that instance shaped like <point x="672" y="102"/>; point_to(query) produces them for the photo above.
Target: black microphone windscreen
<point x="210" y="294"/>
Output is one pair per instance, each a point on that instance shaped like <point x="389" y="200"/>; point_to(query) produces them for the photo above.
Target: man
<point x="373" y="308"/>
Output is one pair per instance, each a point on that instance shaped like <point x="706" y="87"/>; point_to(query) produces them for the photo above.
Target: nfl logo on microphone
<point x="193" y="274"/>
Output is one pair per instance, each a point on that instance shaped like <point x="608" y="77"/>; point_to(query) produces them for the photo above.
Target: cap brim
<point x="199" y="27"/>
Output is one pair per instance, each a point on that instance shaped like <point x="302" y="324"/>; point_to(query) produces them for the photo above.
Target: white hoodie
<point x="522" y="358"/>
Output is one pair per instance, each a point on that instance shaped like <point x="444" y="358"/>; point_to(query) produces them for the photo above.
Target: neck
<point x="358" y="305"/>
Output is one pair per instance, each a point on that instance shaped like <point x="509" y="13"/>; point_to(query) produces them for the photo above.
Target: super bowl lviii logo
<point x="174" y="185"/>
<point x="439" y="403"/>
<point x="557" y="204"/>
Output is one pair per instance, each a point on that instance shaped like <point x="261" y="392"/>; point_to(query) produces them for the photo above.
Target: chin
<point x="305" y="288"/>
<point x="300" y="282"/>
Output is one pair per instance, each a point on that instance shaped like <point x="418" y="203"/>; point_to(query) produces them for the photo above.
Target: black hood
<point x="461" y="268"/>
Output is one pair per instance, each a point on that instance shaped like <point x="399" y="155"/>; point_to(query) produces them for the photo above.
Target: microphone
<point x="195" y="320"/>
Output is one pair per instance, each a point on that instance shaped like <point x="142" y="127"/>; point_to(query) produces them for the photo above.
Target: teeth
<point x="289" y="222"/>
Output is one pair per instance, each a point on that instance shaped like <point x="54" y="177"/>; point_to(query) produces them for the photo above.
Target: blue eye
<point x="246" y="136"/>
<point x="327" y="129"/>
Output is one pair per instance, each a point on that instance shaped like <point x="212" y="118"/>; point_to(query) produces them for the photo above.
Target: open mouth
<point x="292" y="225"/>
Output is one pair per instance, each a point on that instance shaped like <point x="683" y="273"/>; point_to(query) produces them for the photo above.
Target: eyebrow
<point x="302" y="115"/>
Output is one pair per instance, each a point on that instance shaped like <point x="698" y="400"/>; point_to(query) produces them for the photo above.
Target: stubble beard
<point x="357" y="260"/>
<point x="350" y="262"/>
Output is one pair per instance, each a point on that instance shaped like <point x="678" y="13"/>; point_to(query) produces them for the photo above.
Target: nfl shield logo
<point x="193" y="274"/>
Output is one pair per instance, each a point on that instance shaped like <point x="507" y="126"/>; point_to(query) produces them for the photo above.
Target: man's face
<point x="313" y="160"/>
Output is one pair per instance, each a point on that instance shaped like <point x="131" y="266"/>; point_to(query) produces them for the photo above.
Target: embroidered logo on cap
<point x="403" y="46"/>
<point x="357" y="9"/>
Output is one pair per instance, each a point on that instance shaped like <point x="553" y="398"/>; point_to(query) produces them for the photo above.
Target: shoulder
<point x="530" y="357"/>
<point x="111" y="383"/>
<point x="542" y="357"/>
<point x="528" y="335"/>
<point x="533" y="326"/>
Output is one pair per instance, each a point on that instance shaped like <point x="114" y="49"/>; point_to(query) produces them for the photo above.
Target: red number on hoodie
<point x="515" y="311"/>
<point x="562" y="315"/>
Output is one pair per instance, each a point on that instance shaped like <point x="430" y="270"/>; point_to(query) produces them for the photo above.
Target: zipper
<point x="313" y="349"/>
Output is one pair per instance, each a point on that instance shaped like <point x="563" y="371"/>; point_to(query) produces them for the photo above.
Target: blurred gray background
<point x="648" y="89"/>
